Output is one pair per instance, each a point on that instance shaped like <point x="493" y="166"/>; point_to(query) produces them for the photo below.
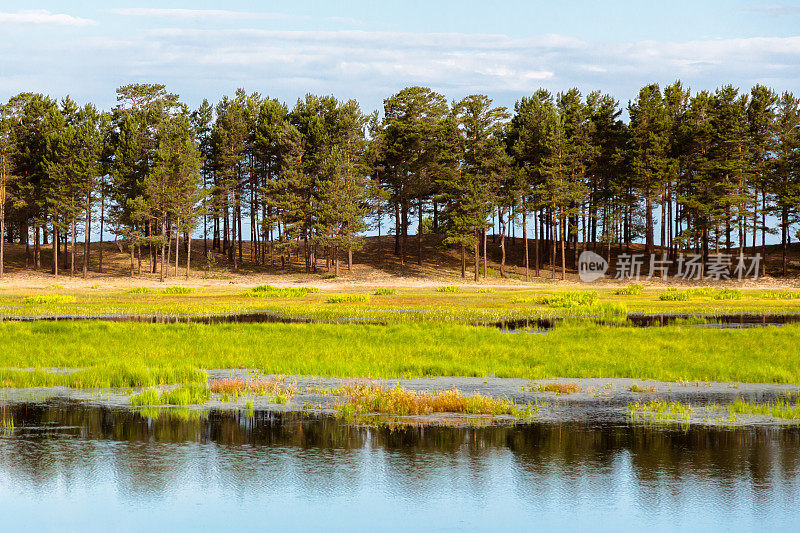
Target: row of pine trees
<point x="703" y="171"/>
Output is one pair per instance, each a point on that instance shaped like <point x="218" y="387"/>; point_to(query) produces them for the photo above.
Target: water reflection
<point x="72" y="466"/>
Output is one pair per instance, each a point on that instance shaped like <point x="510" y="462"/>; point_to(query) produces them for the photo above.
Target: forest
<point x="674" y="169"/>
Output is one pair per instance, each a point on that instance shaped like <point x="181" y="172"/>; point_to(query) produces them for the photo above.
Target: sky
<point x="368" y="50"/>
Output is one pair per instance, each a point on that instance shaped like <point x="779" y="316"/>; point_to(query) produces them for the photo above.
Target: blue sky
<point x="368" y="50"/>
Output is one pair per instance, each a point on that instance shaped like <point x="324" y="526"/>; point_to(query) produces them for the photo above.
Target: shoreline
<point x="598" y="400"/>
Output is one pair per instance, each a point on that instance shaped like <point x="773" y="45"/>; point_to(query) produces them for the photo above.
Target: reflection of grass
<point x="367" y="398"/>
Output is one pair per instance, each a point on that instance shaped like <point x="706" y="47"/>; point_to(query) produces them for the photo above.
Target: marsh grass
<point x="448" y="288"/>
<point x="183" y="395"/>
<point x="485" y="290"/>
<point x="268" y="291"/>
<point x="141" y="290"/>
<point x="558" y="388"/>
<point x="178" y="290"/>
<point x="134" y="354"/>
<point x="631" y="290"/>
<point x="50" y="299"/>
<point x="780" y="295"/>
<point x="104" y="375"/>
<point x="640" y="388"/>
<point x="673" y="295"/>
<point x="727" y="294"/>
<point x="570" y="299"/>
<point x="385" y="292"/>
<point x="234" y="386"/>
<point x="347" y="298"/>
<point x="367" y="398"/>
<point x="660" y="411"/>
<point x="782" y="408"/>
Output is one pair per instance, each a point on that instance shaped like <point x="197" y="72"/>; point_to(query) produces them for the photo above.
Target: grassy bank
<point x="392" y="305"/>
<point x="672" y="353"/>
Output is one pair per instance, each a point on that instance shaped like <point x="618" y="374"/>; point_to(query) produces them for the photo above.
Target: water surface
<point x="71" y="466"/>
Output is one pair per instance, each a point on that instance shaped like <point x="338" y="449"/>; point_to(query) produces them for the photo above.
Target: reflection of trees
<point x="70" y="442"/>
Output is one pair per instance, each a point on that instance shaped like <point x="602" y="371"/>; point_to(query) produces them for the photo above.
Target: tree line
<point x="686" y="171"/>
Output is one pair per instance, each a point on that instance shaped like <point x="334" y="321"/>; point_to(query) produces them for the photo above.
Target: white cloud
<point x="370" y="65"/>
<point x="192" y="13"/>
<point x="42" y="16"/>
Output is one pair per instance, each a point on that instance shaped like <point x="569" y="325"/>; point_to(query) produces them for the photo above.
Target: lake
<point x="71" y="466"/>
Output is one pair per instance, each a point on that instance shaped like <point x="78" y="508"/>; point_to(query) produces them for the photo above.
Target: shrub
<point x="50" y="299"/>
<point x="385" y="292"/>
<point x="178" y="290"/>
<point x="447" y="288"/>
<point x="485" y="290"/>
<point x="347" y="298"/>
<point x="631" y="290"/>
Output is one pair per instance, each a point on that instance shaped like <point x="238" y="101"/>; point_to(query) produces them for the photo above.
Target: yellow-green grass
<point x="425" y="304"/>
<point x="183" y="395"/>
<point x="767" y="354"/>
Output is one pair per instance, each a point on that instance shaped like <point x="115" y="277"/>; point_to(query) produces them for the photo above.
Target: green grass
<point x="347" y="298"/>
<point x="673" y="296"/>
<point x="131" y="354"/>
<point x="178" y="290"/>
<point x="447" y="288"/>
<point x="631" y="290"/>
<point x="268" y="291"/>
<point x="780" y="295"/>
<point x="50" y="299"/>
<point x="727" y="294"/>
<point x="385" y="292"/>
<point x="183" y="395"/>
<point x="783" y="408"/>
<point x="141" y="290"/>
<point x="660" y="411"/>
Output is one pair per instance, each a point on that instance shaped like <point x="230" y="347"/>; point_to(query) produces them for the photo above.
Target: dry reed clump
<point x="560" y="388"/>
<point x="235" y="386"/>
<point x="365" y="398"/>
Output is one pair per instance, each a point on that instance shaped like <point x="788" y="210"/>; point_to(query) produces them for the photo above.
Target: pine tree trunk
<point x="349" y="259"/>
<point x="188" y="252"/>
<point x="86" y="243"/>
<point x="525" y="238"/>
<point x="477" y="256"/>
<point x="463" y="261"/>
<point x="102" y="223"/>
<point x="56" y="244"/>
<point x="485" y="254"/>
<point x="73" y="227"/>
<point x="177" y="243"/>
